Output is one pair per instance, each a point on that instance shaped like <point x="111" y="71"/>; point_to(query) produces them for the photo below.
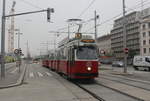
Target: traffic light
<point x="49" y="11"/>
<point x="20" y="51"/>
<point x="126" y="50"/>
<point x="48" y="14"/>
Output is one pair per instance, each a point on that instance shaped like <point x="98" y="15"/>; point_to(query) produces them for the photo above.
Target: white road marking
<point x="31" y="74"/>
<point x="48" y="74"/>
<point x="40" y="74"/>
<point x="14" y="70"/>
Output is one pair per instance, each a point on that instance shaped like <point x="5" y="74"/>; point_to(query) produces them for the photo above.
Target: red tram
<point x="76" y="58"/>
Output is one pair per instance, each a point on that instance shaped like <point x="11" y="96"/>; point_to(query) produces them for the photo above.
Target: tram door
<point x="70" y="60"/>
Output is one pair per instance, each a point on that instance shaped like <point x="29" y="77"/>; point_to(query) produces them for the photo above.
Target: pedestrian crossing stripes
<point x="39" y="74"/>
<point x="14" y="70"/>
<point x="31" y="74"/>
<point x="48" y="74"/>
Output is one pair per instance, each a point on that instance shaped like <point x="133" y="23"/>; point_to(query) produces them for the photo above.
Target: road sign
<point x="126" y="50"/>
<point x="16" y="51"/>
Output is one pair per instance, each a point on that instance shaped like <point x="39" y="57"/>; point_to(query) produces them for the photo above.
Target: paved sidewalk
<point x="12" y="79"/>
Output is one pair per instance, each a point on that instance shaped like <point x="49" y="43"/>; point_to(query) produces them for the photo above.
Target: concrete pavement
<point x="40" y="84"/>
<point x="12" y="76"/>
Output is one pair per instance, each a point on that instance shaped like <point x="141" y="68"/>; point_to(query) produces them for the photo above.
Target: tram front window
<point x="87" y="53"/>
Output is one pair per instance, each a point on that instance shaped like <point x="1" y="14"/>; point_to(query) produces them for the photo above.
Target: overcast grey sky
<point x="35" y="27"/>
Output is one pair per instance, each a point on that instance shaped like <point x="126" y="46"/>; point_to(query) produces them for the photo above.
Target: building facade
<point x="104" y="44"/>
<point x="132" y="35"/>
<point x="145" y="33"/>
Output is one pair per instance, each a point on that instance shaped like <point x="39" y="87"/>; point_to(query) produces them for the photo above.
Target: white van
<point x="141" y="61"/>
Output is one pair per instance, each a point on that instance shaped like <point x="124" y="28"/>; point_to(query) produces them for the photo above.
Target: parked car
<point x="105" y="61"/>
<point x="117" y="64"/>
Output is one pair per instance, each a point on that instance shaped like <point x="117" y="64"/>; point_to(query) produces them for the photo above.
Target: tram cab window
<point x="87" y="52"/>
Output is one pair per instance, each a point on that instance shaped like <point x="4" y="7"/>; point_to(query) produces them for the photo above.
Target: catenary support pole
<point x="124" y="37"/>
<point x="95" y="24"/>
<point x="3" y="42"/>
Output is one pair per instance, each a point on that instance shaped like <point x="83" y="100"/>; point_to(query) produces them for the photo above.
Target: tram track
<point x="91" y="93"/>
<point x="88" y="88"/>
<point x="138" y="99"/>
<point x="63" y="80"/>
<point x="127" y="78"/>
<point x="130" y="82"/>
<point x="97" y="90"/>
<point x="96" y="95"/>
<point x="137" y="92"/>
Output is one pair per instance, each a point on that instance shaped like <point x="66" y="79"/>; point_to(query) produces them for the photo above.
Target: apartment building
<point x="132" y="34"/>
<point x="145" y="33"/>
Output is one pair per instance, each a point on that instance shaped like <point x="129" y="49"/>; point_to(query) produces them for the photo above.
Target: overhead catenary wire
<point x="83" y="22"/>
<point x="130" y="9"/>
<point x="31" y="4"/>
<point x="108" y="20"/>
<point x="91" y="3"/>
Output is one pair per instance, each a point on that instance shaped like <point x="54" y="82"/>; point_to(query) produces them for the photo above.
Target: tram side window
<point x="147" y="59"/>
<point x="62" y="54"/>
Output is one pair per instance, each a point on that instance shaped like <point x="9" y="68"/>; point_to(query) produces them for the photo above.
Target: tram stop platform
<point x="12" y="78"/>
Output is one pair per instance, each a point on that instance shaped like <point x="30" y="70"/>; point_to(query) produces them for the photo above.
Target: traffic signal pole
<point x="49" y="11"/>
<point x="3" y="42"/>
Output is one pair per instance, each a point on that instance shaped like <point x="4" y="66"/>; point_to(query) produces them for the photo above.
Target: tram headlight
<point x="89" y="68"/>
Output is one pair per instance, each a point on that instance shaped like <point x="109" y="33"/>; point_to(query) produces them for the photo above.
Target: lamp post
<point x="19" y="55"/>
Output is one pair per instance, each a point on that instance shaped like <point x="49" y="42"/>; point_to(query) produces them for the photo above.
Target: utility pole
<point x="3" y="42"/>
<point x="124" y="37"/>
<point x="95" y="23"/>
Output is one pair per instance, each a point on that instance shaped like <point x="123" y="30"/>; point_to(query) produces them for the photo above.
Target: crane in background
<point x="11" y="30"/>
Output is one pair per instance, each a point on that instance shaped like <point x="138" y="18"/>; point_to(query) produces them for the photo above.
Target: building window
<point x="149" y="50"/>
<point x="149" y="33"/>
<point x="144" y="42"/>
<point x="143" y="26"/>
<point x="149" y="41"/>
<point x="144" y="34"/>
<point x="144" y="50"/>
